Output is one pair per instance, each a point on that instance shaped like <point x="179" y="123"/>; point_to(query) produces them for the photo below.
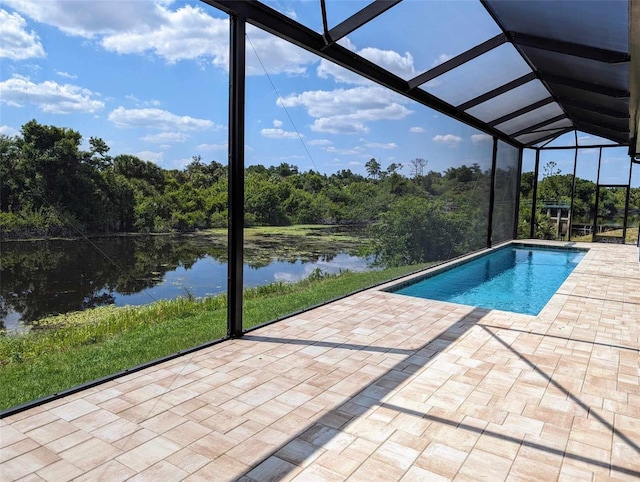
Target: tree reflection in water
<point x="41" y="278"/>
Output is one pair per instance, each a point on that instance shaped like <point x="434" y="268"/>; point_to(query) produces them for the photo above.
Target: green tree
<point x="373" y="168"/>
<point x="415" y="230"/>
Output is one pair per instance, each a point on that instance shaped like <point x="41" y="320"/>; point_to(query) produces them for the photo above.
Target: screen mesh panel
<point x="510" y="101"/>
<point x="480" y="75"/>
<point x="536" y="116"/>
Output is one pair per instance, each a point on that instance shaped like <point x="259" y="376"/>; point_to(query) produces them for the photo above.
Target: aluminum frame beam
<point x="272" y="21"/>
<point x="235" y="233"/>
<point x="537" y="126"/>
<point x="592" y="107"/>
<point x="497" y="91"/>
<point x="359" y="18"/>
<point x="550" y="137"/>
<point x="524" y="110"/>
<point x="458" y="60"/>
<point x="579" y="84"/>
<point x="569" y="48"/>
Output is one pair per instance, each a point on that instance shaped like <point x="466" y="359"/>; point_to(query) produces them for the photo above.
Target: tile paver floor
<point x="377" y="386"/>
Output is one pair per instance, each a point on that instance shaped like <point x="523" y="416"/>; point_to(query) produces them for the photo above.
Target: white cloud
<point x="379" y="145"/>
<point x="277" y="55"/>
<point x="476" y="138"/>
<point x="448" y="139"/>
<point x="277" y="123"/>
<point x="278" y="134"/>
<point x="328" y="69"/>
<point x="150" y="156"/>
<point x="88" y="19"/>
<point x="345" y="111"/>
<point x="186" y="33"/>
<point x="213" y="147"/>
<point x="417" y="130"/>
<point x="163" y="137"/>
<point x="145" y="103"/>
<point x="441" y="59"/>
<point x="401" y="65"/>
<point x="48" y="96"/>
<point x="320" y="142"/>
<point x="17" y="43"/>
<point x="157" y="119"/>
<point x="353" y="151"/>
<point x="66" y="75"/>
<point x="8" y="131"/>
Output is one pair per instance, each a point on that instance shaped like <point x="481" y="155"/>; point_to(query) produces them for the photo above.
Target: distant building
<point x="560" y="214"/>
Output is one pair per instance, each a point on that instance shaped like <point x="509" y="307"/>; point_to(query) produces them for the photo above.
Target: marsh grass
<point x="66" y="350"/>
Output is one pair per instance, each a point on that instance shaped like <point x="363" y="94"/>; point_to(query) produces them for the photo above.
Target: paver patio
<point x="376" y="386"/>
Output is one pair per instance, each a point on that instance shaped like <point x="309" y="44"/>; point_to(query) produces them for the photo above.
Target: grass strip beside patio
<point x="71" y="349"/>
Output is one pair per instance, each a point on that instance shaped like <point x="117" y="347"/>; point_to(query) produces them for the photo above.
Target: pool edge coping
<point x="448" y="265"/>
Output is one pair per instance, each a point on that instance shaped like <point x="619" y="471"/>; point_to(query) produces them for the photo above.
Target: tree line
<point x="50" y="187"/>
<point x="555" y="188"/>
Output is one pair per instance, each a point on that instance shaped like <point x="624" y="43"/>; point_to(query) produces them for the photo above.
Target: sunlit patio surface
<point x="376" y="386"/>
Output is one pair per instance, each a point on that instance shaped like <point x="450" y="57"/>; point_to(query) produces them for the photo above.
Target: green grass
<point x="631" y="238"/>
<point x="79" y="347"/>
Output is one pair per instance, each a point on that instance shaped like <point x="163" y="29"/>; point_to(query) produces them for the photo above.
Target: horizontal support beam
<point x="592" y="107"/>
<point x="539" y="125"/>
<point x="550" y="137"/>
<point x="458" y="60"/>
<point x="569" y="48"/>
<point x="600" y="131"/>
<point x="519" y="112"/>
<point x="497" y="91"/>
<point x="600" y="122"/>
<point x="358" y="19"/>
<point x="578" y="84"/>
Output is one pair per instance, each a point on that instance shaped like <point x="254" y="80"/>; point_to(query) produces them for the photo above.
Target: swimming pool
<point x="517" y="279"/>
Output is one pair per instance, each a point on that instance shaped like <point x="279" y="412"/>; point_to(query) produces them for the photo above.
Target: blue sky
<point x="151" y="79"/>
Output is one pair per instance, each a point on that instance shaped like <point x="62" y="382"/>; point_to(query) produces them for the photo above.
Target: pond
<point x="41" y="278"/>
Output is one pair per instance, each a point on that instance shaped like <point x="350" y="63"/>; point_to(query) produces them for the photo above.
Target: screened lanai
<point x="335" y="375"/>
<point x="523" y="127"/>
<point x="535" y="72"/>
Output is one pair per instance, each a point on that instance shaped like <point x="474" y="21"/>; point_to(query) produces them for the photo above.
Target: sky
<point x="150" y="77"/>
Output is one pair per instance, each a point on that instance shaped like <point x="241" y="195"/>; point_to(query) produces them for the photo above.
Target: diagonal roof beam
<point x="539" y="125"/>
<point x="272" y="21"/>
<point x="569" y="48"/>
<point x="613" y="135"/>
<point x="583" y="104"/>
<point x="496" y="92"/>
<point x="359" y="18"/>
<point x="578" y="84"/>
<point x="550" y="137"/>
<point x="519" y="112"/>
<point x="458" y="60"/>
<point x="600" y="123"/>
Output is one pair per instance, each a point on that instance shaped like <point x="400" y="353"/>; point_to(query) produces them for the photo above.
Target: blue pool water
<point x="521" y="280"/>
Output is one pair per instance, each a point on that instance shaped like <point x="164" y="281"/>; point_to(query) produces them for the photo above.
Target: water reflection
<point x="41" y="278"/>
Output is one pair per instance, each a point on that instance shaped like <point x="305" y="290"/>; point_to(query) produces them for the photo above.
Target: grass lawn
<point x="631" y="238"/>
<point x="79" y="347"/>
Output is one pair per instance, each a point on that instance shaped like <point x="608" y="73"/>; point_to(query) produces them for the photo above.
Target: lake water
<point x="41" y="278"/>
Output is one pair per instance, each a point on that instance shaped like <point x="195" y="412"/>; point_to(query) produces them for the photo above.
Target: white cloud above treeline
<point x="450" y="140"/>
<point x="157" y="119"/>
<point x="49" y="96"/>
<point x="346" y="111"/>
